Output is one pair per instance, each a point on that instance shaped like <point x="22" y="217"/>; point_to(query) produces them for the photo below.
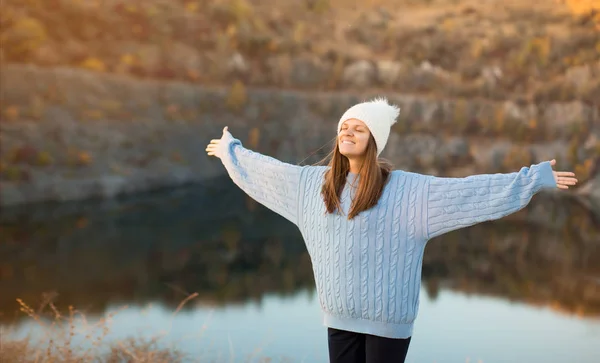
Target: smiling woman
<point x="366" y="241"/>
<point x="363" y="131"/>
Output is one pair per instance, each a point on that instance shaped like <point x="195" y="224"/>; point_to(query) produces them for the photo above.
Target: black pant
<point x="349" y="347"/>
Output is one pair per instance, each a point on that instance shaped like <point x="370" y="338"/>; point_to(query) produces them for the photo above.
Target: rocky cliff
<point x="72" y="134"/>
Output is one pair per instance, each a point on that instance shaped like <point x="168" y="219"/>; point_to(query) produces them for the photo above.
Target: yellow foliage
<point x="477" y="48"/>
<point x="448" y="24"/>
<point x="84" y="158"/>
<point x="241" y="9"/>
<point x="319" y="6"/>
<point x="299" y="32"/>
<point x="129" y="59"/>
<point x="192" y="6"/>
<point x="583" y="6"/>
<point x="152" y="10"/>
<point x="533" y="124"/>
<point x="26" y="35"/>
<point x="535" y="49"/>
<point x="237" y="96"/>
<point x="231" y="30"/>
<point x="94" y="64"/>
<point x="43" y="158"/>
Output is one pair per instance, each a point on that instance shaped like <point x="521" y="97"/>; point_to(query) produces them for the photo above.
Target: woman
<point x="366" y="226"/>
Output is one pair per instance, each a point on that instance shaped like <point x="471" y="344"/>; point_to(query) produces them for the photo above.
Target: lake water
<point x="523" y="289"/>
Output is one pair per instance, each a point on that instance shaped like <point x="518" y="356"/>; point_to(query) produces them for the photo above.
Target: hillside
<point x="534" y="51"/>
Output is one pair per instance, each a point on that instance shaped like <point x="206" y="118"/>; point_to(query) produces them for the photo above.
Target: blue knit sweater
<point x="368" y="270"/>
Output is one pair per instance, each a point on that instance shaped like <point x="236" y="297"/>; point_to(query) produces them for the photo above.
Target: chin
<point x="350" y="154"/>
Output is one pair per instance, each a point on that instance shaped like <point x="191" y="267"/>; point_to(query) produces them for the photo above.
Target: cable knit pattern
<point x="396" y="216"/>
<point x="410" y="245"/>
<point x="367" y="270"/>
<point x="455" y="203"/>
<point x="349" y="281"/>
<point x="328" y="281"/>
<point x="336" y="267"/>
<point x="277" y="186"/>
<point x="364" y="264"/>
<point x="379" y="244"/>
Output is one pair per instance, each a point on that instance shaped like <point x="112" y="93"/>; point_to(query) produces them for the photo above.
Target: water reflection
<point x="160" y="247"/>
<point x="154" y="248"/>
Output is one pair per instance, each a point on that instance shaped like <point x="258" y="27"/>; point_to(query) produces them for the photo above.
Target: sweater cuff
<point x="546" y="175"/>
<point x="227" y="141"/>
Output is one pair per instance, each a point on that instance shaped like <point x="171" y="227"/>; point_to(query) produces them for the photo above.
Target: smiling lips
<point x="347" y="142"/>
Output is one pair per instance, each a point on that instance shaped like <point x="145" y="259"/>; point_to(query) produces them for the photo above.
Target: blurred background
<point x="121" y="240"/>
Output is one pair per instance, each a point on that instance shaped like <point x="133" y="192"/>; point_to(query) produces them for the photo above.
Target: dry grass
<point x="62" y="335"/>
<point x="71" y="338"/>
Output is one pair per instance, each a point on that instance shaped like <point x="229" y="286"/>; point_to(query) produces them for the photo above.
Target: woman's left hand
<point x="563" y="179"/>
<point x="212" y="149"/>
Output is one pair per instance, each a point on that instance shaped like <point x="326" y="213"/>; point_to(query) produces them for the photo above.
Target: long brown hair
<point x="374" y="174"/>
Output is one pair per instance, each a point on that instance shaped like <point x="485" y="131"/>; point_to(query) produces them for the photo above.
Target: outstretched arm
<point x="454" y="203"/>
<point x="269" y="181"/>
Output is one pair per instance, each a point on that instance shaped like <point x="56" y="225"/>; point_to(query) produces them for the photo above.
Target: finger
<point x="215" y="141"/>
<point x="567" y="178"/>
<point x="560" y="186"/>
<point x="565" y="173"/>
<point x="568" y="182"/>
<point x="553" y="162"/>
<point x="225" y="129"/>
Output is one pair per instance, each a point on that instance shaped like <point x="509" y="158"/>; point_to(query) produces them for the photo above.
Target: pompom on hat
<point x="378" y="115"/>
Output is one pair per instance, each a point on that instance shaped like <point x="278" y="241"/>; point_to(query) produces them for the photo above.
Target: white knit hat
<point x="378" y="115"/>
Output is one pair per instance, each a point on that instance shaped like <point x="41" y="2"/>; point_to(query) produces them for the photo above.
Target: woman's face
<point x="353" y="138"/>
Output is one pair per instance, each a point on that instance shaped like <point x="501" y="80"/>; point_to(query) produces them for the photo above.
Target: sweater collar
<point x="352" y="178"/>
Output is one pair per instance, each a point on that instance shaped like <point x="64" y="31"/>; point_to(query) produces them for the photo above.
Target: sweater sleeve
<point x="269" y="181"/>
<point x="454" y="203"/>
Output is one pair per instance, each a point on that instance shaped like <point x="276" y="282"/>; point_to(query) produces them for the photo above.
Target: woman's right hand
<point x="213" y="147"/>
